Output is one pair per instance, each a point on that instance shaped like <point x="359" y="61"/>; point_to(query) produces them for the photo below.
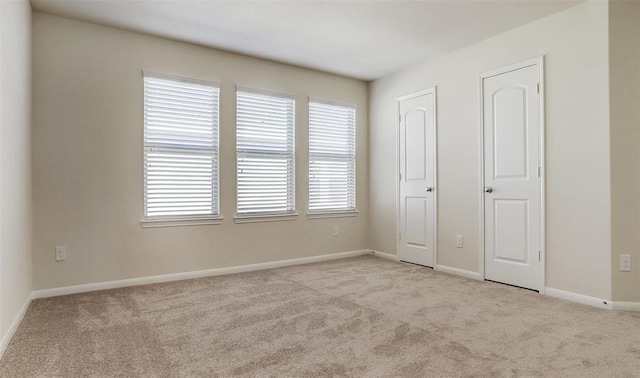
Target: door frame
<point x="539" y="61"/>
<point x="433" y="91"/>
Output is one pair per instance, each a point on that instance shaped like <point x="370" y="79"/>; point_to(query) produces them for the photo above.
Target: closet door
<point x="417" y="202"/>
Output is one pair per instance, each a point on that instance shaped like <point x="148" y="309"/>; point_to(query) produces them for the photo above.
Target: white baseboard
<point x="14" y="325"/>
<point x="189" y="275"/>
<point x="385" y="255"/>
<point x="626" y="306"/>
<point x="459" y="272"/>
<point x="578" y="298"/>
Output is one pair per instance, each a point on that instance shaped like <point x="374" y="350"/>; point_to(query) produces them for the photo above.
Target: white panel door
<point x="512" y="205"/>
<point x="417" y="179"/>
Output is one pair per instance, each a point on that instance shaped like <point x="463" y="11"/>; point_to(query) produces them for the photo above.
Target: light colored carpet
<point x="363" y="316"/>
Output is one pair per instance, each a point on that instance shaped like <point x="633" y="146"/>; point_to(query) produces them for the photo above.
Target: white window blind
<point x="180" y="148"/>
<point x="265" y="153"/>
<point x="332" y="157"/>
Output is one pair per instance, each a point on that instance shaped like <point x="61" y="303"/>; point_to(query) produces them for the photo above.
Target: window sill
<point x="333" y="214"/>
<point x="179" y="222"/>
<point x="265" y="218"/>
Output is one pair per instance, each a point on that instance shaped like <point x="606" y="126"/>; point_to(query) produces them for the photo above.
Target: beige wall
<point x="575" y="45"/>
<point x="87" y="141"/>
<point x="87" y="153"/>
<point x="624" y="47"/>
<point x="15" y="160"/>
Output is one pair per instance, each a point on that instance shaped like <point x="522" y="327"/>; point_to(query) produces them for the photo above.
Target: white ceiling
<point x="360" y="39"/>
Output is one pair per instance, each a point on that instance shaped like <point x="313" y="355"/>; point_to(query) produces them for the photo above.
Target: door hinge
<point x="538" y="87"/>
<point x="538" y="255"/>
<point x="538" y="172"/>
<point x="400" y="176"/>
<point x="399" y="235"/>
<point x="399" y="118"/>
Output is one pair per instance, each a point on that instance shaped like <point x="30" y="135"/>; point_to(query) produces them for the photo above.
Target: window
<point x="265" y="153"/>
<point x="332" y="157"/>
<point x="180" y="149"/>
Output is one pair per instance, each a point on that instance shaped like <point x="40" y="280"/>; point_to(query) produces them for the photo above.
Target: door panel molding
<point x="539" y="62"/>
<point x="503" y="137"/>
<point x="415" y="148"/>
<point x="509" y="210"/>
<point x="399" y="202"/>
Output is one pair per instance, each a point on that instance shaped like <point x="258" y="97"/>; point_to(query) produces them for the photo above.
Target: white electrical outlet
<point x="61" y="253"/>
<point x="459" y="241"/>
<point x="335" y="231"/>
<point x="625" y="263"/>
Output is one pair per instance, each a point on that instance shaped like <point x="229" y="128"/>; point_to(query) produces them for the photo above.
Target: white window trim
<point x="332" y="214"/>
<point x="188" y="220"/>
<point x="328" y="101"/>
<point x="181" y="78"/>
<point x="266" y="92"/>
<point x="179" y="222"/>
<point x="267" y="217"/>
<point x="323" y="214"/>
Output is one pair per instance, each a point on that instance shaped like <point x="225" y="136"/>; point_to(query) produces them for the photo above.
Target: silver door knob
<point x="488" y="189"/>
<point x="429" y="189"/>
